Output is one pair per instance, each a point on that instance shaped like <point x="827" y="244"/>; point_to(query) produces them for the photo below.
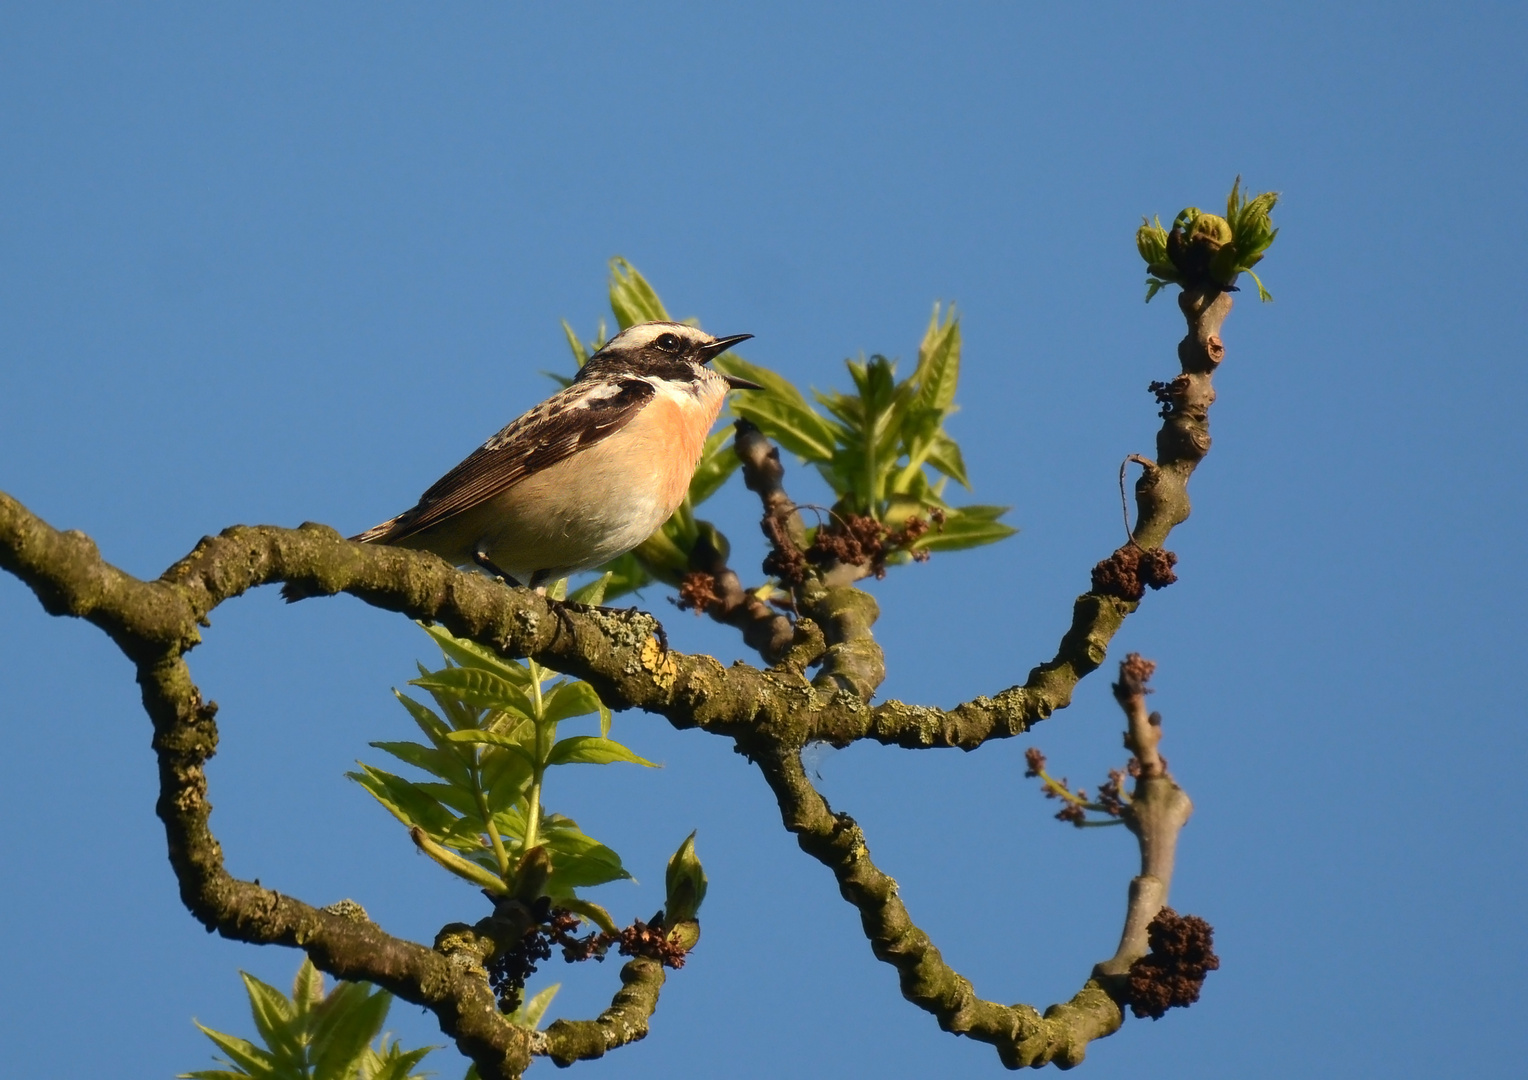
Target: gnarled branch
<point x="771" y="714"/>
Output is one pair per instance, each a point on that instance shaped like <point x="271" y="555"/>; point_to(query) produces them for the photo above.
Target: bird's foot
<point x="658" y="631"/>
<point x="566" y="608"/>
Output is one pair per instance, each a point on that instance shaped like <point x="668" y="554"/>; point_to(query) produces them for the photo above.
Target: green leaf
<point x="529" y="1014"/>
<point x="590" y="912"/>
<point x="241" y="1052"/>
<point x="495" y="738"/>
<point x="458" y="714"/>
<point x="593" y="750"/>
<point x="1262" y="294"/>
<point x="945" y="456"/>
<point x="1151" y="241"/>
<point x="348" y="1020"/>
<point x="506" y="777"/>
<point x="632" y="299"/>
<point x="593" y="593"/>
<point x="580" y="353"/>
<point x="967" y="527"/>
<point x="626" y="575"/>
<point x="313" y="1036"/>
<point x="470" y="654"/>
<point x="407" y="801"/>
<point x="478" y="687"/>
<point x="394" y="1064"/>
<point x="779" y="410"/>
<point x="569" y="700"/>
<point x="435" y="729"/>
<point x="939" y="363"/>
<point x="274" y="1017"/>
<point x="662" y="557"/>
<point x="463" y="801"/>
<point x="980" y="513"/>
<point x="482" y="871"/>
<point x="578" y="861"/>
<point x="510" y="821"/>
<point x="307" y="987"/>
<point x="442" y="763"/>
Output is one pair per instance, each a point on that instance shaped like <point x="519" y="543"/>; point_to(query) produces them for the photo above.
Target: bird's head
<point x="664" y="350"/>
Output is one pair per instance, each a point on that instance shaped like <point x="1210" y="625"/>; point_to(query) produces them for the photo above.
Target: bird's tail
<point x="294" y="591"/>
<point x="379" y="532"/>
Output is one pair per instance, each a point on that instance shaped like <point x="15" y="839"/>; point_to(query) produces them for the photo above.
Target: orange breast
<point x="668" y="439"/>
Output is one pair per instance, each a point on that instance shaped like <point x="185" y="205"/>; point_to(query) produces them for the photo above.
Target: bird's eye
<point x="667" y="342"/>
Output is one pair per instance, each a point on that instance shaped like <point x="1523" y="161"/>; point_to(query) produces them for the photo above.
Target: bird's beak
<point x="722" y="344"/>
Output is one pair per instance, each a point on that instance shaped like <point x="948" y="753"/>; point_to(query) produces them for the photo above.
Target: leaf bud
<point x="532" y="874"/>
<point x="684" y="935"/>
<point x="1210" y="229"/>
<point x="711" y="545"/>
<point x="1225" y="265"/>
<point x="686" y="884"/>
<point x="1151" y="242"/>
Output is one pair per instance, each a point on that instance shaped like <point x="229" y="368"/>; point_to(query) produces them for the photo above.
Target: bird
<point x="585" y="476"/>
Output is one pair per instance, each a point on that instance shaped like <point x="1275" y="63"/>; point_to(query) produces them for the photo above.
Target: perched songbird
<point x="589" y="473"/>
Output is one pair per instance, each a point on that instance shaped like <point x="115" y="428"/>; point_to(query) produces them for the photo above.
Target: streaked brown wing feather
<point x="565" y="422"/>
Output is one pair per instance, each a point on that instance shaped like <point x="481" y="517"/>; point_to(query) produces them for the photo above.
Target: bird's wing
<point x="573" y="418"/>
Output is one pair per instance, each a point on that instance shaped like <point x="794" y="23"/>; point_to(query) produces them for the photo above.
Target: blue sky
<point x="291" y="262"/>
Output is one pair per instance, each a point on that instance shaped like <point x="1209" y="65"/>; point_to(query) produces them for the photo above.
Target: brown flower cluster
<point x="1111" y="794"/>
<point x="697" y="592"/>
<point x="1170" y="394"/>
<point x="1135" y="671"/>
<point x="651" y="939"/>
<point x="858" y="540"/>
<point x="508" y="971"/>
<point x="1128" y="572"/>
<point x="1172" y="974"/>
<point x="785" y="560"/>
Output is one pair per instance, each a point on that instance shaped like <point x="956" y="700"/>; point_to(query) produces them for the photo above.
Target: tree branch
<point x="714" y="588"/>
<point x="1156" y="814"/>
<point x="1022" y="1036"/>
<point x="771" y="715"/>
<point x="852" y="661"/>
<point x="567" y="1041"/>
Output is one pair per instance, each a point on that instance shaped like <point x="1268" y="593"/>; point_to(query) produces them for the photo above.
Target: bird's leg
<point x="563" y="608"/>
<point x="658" y="630"/>
<point x="480" y="557"/>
